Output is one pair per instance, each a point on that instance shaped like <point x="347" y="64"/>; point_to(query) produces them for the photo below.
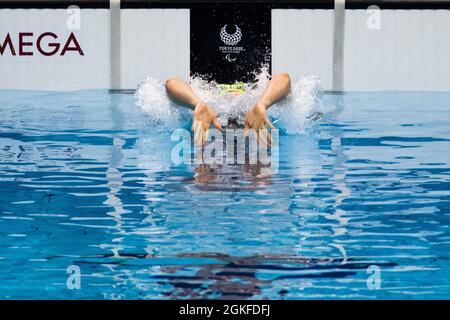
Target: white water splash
<point x="298" y="111"/>
<point x="292" y="115"/>
<point x="152" y="98"/>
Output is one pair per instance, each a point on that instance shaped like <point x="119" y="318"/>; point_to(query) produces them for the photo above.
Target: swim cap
<point x="237" y="87"/>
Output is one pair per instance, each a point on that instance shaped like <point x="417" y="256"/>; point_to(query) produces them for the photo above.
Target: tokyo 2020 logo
<point x="230" y="39"/>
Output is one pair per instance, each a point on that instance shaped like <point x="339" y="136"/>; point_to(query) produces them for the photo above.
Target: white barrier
<point x="407" y="50"/>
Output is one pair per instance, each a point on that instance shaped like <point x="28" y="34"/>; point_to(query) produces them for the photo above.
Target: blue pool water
<point x="86" y="181"/>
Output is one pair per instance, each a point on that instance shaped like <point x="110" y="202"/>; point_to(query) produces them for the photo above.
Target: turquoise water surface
<point x="86" y="184"/>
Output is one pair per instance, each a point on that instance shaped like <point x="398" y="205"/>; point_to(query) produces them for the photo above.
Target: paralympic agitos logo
<point x="46" y="44"/>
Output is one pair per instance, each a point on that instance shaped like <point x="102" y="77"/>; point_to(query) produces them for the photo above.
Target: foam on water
<point x="152" y="98"/>
<point x="292" y="115"/>
<point x="296" y="113"/>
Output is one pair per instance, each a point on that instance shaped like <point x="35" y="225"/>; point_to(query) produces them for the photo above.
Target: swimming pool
<point x="86" y="182"/>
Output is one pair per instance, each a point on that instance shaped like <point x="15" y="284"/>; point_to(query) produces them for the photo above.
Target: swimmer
<point x="204" y="116"/>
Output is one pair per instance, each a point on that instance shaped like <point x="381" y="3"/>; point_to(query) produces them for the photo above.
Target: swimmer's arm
<point x="203" y="116"/>
<point x="179" y="91"/>
<point x="277" y="89"/>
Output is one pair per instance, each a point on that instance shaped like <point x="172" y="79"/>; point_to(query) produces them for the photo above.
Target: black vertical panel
<point x="230" y="41"/>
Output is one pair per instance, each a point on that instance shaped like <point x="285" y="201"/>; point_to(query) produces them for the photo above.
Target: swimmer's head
<point x="233" y="123"/>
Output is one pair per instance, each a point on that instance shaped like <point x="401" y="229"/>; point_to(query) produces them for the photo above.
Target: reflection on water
<point x="221" y="276"/>
<point x="238" y="277"/>
<point x="97" y="189"/>
<point x="232" y="177"/>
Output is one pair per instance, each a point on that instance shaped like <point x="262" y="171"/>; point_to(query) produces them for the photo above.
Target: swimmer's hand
<point x="204" y="115"/>
<point x="257" y="119"/>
